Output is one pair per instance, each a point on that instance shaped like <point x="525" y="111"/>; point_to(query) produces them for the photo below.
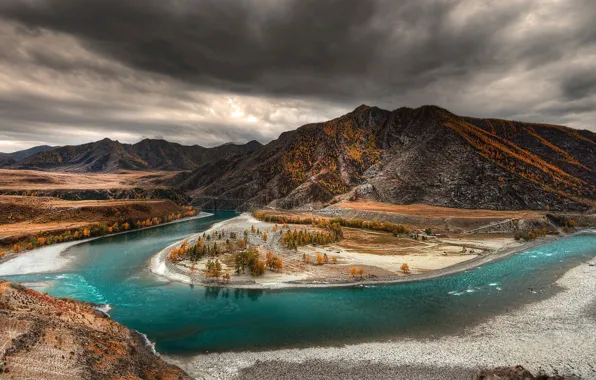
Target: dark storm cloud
<point x="251" y="46"/>
<point x="519" y="59"/>
<point x="579" y="84"/>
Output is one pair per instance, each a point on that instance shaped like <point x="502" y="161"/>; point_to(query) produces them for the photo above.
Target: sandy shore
<point x="495" y="249"/>
<point x="554" y="334"/>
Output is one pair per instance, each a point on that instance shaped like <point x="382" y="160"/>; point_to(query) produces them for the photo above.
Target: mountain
<point x="6" y="160"/>
<point x="423" y="155"/>
<point x="30" y="152"/>
<point x="111" y="156"/>
<point x="43" y="337"/>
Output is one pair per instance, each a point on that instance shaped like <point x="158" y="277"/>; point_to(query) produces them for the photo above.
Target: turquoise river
<point x="187" y="320"/>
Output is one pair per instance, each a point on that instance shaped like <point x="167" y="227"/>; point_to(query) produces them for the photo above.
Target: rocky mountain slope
<point x="424" y="155"/>
<point x="19" y="155"/>
<point x="8" y="159"/>
<point x="111" y="156"/>
<point x="42" y="337"/>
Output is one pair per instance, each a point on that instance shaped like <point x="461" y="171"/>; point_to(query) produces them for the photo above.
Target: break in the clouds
<point x="212" y="71"/>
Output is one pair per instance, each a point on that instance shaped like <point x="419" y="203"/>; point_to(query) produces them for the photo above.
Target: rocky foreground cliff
<point x="42" y="337"/>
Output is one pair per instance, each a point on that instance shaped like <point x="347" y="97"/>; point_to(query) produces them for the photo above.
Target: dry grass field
<point x="22" y="216"/>
<point x="438" y="212"/>
<point x="46" y="180"/>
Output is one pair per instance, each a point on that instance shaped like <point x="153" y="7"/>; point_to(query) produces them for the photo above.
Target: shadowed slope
<point x="424" y="155"/>
<point x="110" y="156"/>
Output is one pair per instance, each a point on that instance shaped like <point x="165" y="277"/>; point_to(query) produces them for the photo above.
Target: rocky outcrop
<point x="42" y="337"/>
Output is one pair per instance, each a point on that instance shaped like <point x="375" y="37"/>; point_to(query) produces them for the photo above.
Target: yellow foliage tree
<point x="405" y="268"/>
<point x="319" y="259"/>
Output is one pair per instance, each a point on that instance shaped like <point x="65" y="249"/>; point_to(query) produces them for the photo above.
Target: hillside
<point x="425" y="155"/>
<point x="42" y="337"/>
<point x="8" y="159"/>
<point x="19" y="155"/>
<point x="112" y="156"/>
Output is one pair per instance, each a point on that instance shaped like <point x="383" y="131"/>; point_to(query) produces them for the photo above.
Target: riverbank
<point x="381" y="268"/>
<point x="556" y="334"/>
<point x="50" y="258"/>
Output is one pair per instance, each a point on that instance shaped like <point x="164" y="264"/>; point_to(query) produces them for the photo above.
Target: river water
<point x="187" y="320"/>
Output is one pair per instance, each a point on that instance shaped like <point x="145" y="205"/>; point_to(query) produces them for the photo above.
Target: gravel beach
<point x="557" y="334"/>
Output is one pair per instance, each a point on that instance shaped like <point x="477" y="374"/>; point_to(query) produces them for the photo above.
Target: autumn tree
<point x="274" y="263"/>
<point x="405" y="268"/>
<point x="258" y="267"/>
<point x="248" y="259"/>
<point x="214" y="268"/>
<point x="319" y="259"/>
<point x="277" y="264"/>
<point x="269" y="258"/>
<point x="353" y="271"/>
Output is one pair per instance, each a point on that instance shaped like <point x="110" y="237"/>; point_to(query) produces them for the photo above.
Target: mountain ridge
<point x="7" y="159"/>
<point x="107" y="155"/>
<point x="411" y="155"/>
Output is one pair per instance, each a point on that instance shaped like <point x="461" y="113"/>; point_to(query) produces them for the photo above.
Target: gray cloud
<point x="205" y="71"/>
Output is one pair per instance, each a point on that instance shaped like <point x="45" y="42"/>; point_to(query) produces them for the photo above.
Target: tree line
<point x="374" y="225"/>
<point x="95" y="230"/>
<point x="531" y="235"/>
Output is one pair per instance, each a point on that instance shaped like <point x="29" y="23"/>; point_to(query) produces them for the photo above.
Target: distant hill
<point x="8" y="159"/>
<point x="423" y="155"/>
<point x="30" y="152"/>
<point x="149" y="154"/>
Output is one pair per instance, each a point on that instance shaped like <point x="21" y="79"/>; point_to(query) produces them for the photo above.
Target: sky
<point x="214" y="71"/>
